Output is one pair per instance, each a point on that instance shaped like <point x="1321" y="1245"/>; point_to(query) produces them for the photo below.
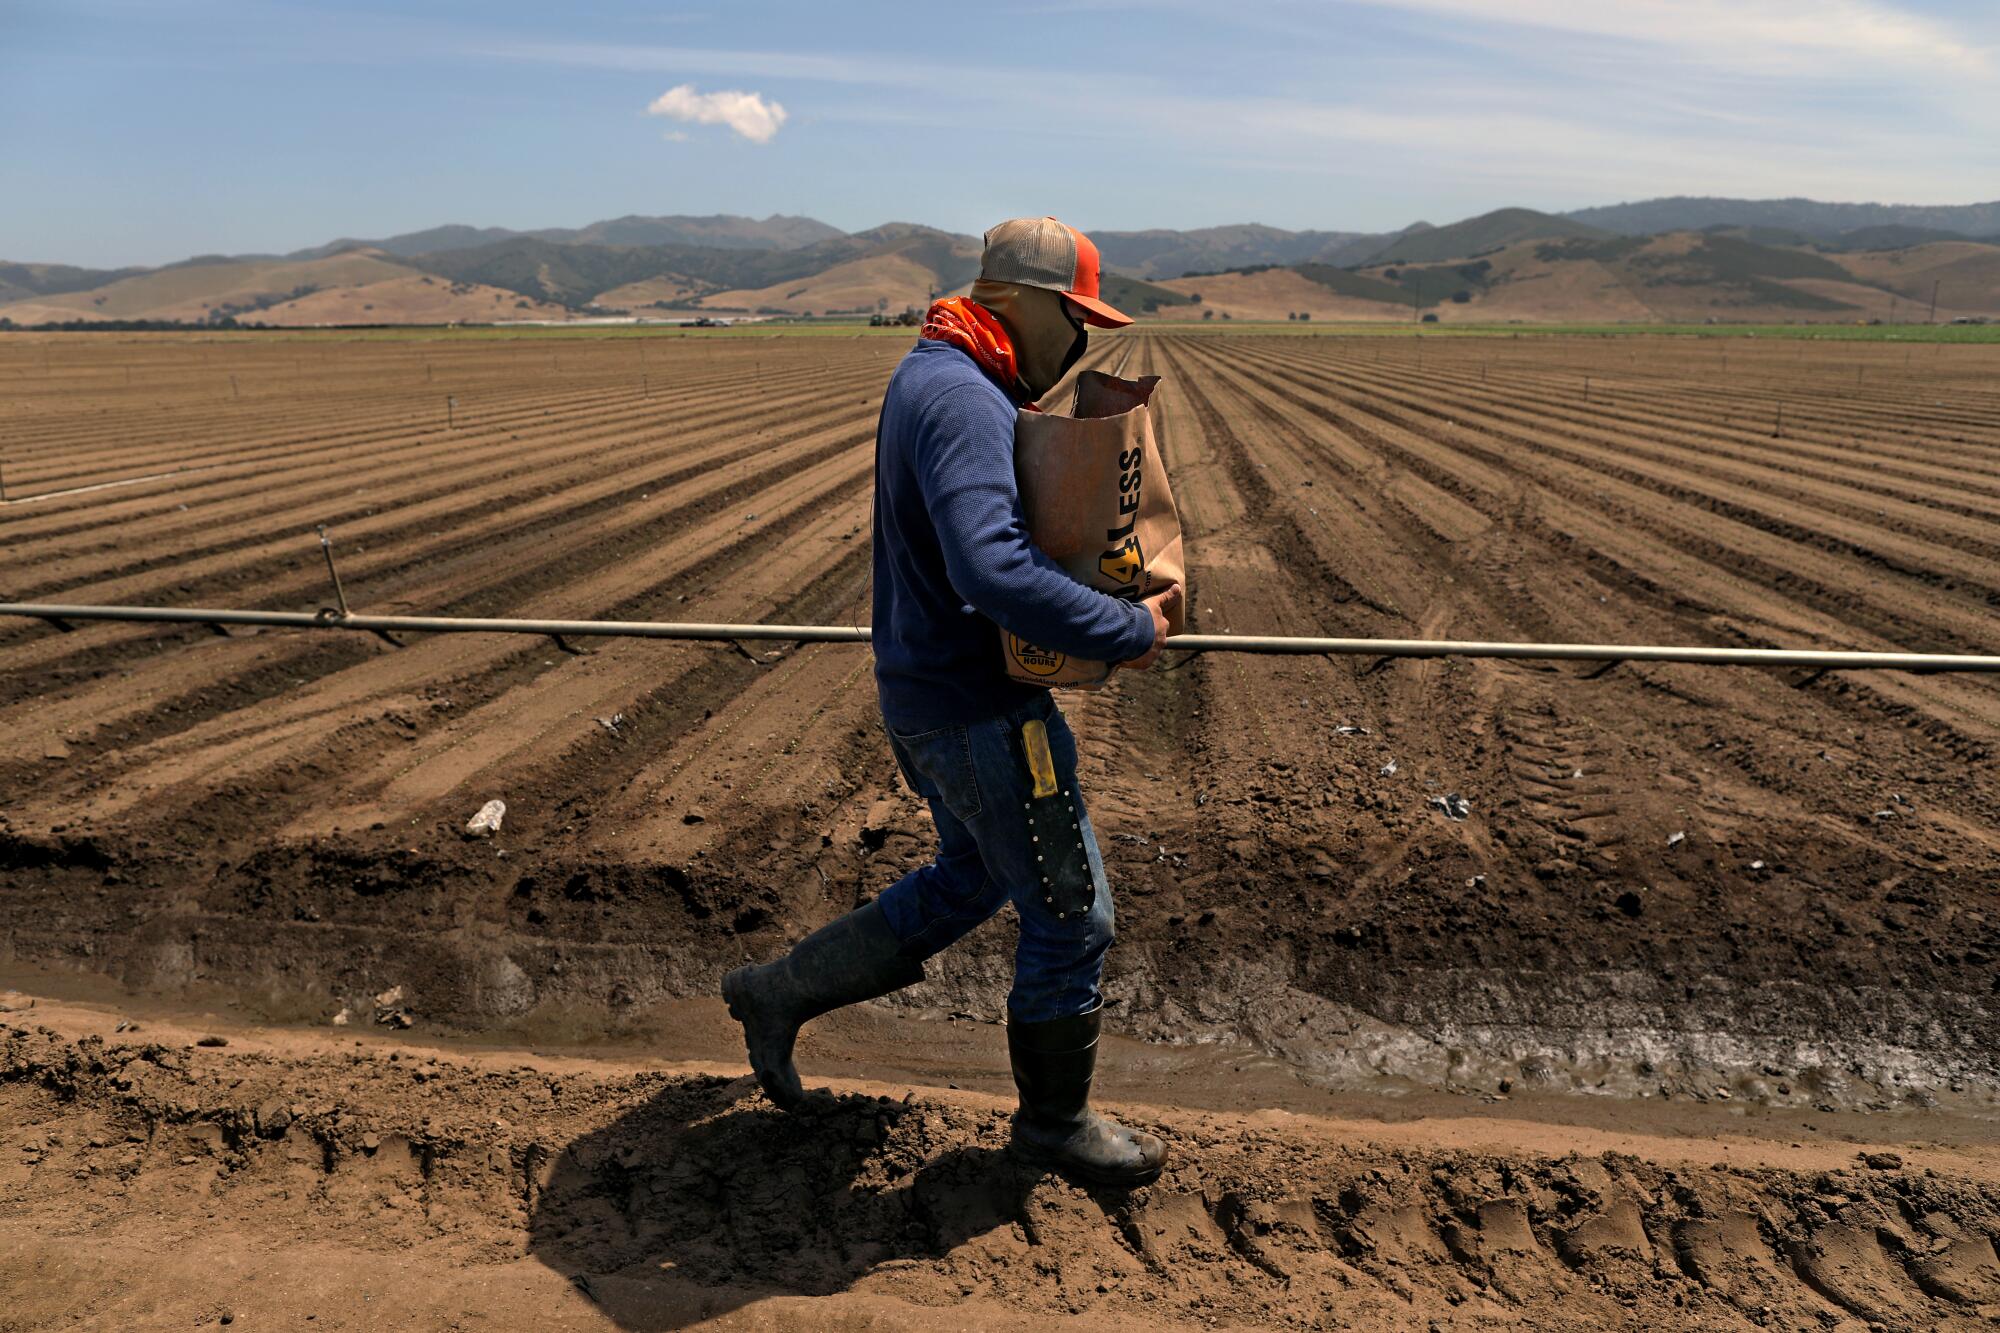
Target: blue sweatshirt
<point x="952" y="555"/>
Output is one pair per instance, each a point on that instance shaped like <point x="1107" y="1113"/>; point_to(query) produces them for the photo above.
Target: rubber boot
<point x="846" y="961"/>
<point x="1055" y="1127"/>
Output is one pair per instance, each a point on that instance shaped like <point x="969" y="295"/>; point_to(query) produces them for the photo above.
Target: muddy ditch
<point x="323" y="932"/>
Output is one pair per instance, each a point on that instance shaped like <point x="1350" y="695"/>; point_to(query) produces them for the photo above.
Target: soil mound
<point x="672" y="1200"/>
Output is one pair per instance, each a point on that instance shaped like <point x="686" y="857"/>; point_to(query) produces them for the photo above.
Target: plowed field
<point x="1714" y="902"/>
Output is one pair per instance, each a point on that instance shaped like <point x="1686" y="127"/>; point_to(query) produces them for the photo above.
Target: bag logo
<point x="1122" y="562"/>
<point x="1035" y="661"/>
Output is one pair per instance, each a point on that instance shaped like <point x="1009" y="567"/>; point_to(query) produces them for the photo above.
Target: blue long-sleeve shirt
<point x="952" y="555"/>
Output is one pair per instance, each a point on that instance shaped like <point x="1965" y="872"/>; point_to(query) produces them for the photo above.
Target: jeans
<point x="976" y="777"/>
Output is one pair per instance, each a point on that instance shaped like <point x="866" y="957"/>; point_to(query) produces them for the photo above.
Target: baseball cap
<point x="1042" y="252"/>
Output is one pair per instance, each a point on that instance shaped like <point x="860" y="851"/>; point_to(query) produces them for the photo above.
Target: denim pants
<point x="976" y="777"/>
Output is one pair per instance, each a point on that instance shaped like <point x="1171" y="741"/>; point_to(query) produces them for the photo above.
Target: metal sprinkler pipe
<point x="339" y="593"/>
<point x="1815" y="659"/>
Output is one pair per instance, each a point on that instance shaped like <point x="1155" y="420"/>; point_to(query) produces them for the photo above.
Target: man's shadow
<point x="706" y="1198"/>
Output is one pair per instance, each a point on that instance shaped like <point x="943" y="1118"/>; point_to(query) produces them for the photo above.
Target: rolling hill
<point x="1161" y="253"/>
<point x="741" y="278"/>
<point x="1280" y="292"/>
<point x="567" y="275"/>
<point x="1821" y="221"/>
<point x="886" y="282"/>
<point x="20" y="282"/>
<point x="1140" y="297"/>
<point x="206" y="288"/>
<point x="1179" y="254"/>
<point x="1477" y="236"/>
<point x="1961" y="270"/>
<point x="1678" y="277"/>
<point x="415" y="298"/>
<point x="1510" y="264"/>
<point x="721" y="231"/>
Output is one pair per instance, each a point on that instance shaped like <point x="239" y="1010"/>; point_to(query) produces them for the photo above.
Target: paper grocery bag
<point x="1095" y="493"/>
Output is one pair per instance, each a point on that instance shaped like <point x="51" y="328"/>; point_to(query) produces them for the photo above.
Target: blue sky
<point x="142" y="131"/>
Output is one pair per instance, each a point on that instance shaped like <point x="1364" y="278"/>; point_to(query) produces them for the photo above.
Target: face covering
<point x="1048" y="339"/>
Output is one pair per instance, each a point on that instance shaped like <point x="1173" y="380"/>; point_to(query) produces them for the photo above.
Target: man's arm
<point x="965" y="466"/>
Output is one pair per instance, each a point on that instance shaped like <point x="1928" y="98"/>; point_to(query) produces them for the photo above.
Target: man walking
<point x="952" y="559"/>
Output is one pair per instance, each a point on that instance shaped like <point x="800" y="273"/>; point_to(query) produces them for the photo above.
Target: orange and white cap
<point x="1042" y="252"/>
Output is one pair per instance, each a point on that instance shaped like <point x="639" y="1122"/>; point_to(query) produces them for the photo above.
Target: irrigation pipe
<point x="62" y="617"/>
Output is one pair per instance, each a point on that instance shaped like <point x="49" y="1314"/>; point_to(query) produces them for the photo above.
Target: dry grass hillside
<point x="1511" y="266"/>
<point x="193" y="290"/>
<point x="853" y="286"/>
<point x="1967" y="273"/>
<point x="1272" y="293"/>
<point x="1689" y="277"/>
<point x="1537" y="289"/>
<point x="414" y="299"/>
<point x="672" y="289"/>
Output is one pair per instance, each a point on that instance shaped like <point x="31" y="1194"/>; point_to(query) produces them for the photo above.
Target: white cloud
<point x="749" y="114"/>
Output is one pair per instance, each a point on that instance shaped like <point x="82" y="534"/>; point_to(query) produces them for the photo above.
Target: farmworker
<point x="951" y="559"/>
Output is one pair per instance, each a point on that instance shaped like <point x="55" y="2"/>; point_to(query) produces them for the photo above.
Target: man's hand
<point x="1161" y="605"/>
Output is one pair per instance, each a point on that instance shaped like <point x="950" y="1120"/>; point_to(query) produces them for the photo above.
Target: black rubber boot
<point x="855" y="958"/>
<point x="1054" y="1063"/>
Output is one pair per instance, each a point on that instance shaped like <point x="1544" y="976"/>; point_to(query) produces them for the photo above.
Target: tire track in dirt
<point x="1481" y="594"/>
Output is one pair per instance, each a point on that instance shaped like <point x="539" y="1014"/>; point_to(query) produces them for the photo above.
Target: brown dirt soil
<point x="278" y="1178"/>
<point x="1716" y="892"/>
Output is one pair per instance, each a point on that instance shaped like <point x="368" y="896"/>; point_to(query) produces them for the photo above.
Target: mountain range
<point x="1659" y="259"/>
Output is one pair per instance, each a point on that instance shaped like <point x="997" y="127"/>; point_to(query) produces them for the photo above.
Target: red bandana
<point x="974" y="330"/>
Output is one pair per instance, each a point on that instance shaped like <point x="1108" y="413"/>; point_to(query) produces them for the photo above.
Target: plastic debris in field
<point x="1454" y="806"/>
<point x="1389" y="769"/>
<point x="1674" y="840"/>
<point x="487" y="822"/>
